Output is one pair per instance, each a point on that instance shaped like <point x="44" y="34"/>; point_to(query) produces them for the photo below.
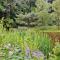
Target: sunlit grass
<point x="34" y="38"/>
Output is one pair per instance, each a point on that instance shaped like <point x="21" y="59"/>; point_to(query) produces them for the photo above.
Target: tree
<point x="56" y="6"/>
<point x="29" y="19"/>
<point x="24" y="6"/>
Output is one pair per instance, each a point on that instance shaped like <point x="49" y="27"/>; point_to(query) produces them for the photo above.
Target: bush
<point x="56" y="53"/>
<point x="29" y="19"/>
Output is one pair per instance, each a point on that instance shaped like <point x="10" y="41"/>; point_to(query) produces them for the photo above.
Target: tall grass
<point x="34" y="39"/>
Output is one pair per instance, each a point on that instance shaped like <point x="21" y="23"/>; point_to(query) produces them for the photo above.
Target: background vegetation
<point x="30" y="13"/>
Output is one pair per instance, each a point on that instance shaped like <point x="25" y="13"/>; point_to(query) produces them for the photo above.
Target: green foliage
<point x="57" y="12"/>
<point x="56" y="6"/>
<point x="32" y="42"/>
<point x="56" y="53"/>
<point x="1" y="7"/>
<point x="22" y="11"/>
<point x="56" y="49"/>
<point x="24" y="39"/>
<point x="27" y="19"/>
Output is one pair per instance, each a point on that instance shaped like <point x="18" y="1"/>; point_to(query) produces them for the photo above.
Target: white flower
<point x="8" y="46"/>
<point x="10" y="53"/>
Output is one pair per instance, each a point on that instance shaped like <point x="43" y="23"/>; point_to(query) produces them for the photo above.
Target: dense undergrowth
<point x="27" y="44"/>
